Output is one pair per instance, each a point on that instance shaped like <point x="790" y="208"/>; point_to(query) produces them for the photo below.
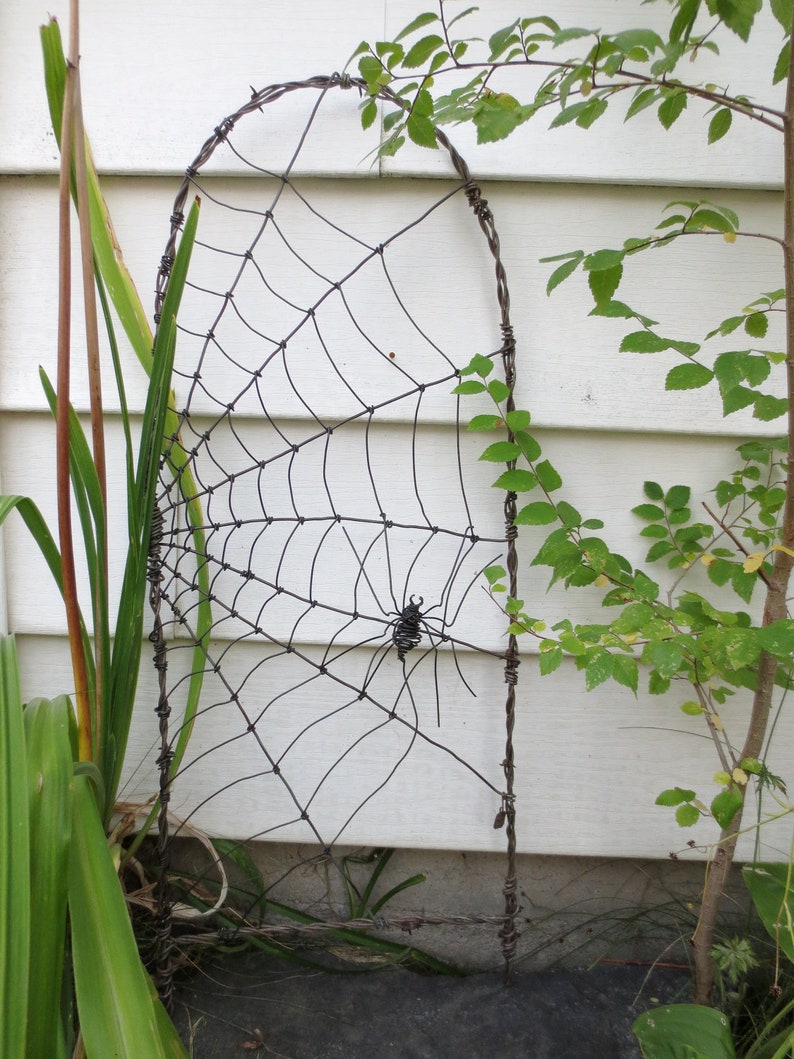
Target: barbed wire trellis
<point x="319" y="498"/>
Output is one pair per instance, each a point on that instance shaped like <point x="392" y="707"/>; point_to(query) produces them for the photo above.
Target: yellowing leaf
<point x="707" y="560"/>
<point x="753" y="562"/>
<point x="715" y="721"/>
<point x="601" y="580"/>
<point x="722" y="779"/>
<point x="729" y="237"/>
<point x="739" y="776"/>
<point x="782" y="548"/>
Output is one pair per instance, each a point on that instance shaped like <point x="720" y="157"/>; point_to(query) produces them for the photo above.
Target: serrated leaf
<point x="528" y="445"/>
<point x="706" y="218"/>
<point x="778" y="638"/>
<point x="501" y="452"/>
<point x="671" y="108"/>
<point x="674" y="796"/>
<point x="691" y="709"/>
<point x="738" y="15"/>
<point x="653" y="491"/>
<point x="517" y="481"/>
<point x="781" y="66"/>
<point x="604" y="283"/>
<point x="539" y="513"/>
<point x="498" y="390"/>
<point x="649" y="512"/>
<point x="550" y="660"/>
<point x="687" y="815"/>
<point x="486" y="422"/>
<point x="562" y="273"/>
<point x="625" y="671"/>
<point x="688" y="377"/>
<point x="598" y="669"/>
<point x="645" y="97"/>
<point x="518" y="419"/>
<point x="420" y="52"/>
<point x="756" y="325"/>
<point x="369" y="113"/>
<point x="421" y="130"/>
<point x="677" y="496"/>
<point x="548" y="476"/>
<point x="720" y="124"/>
<point x="768" y="407"/>
<point x="644" y="342"/>
<point x="494" y="574"/>
<point x="421" y="20"/>
<point x="726" y="805"/>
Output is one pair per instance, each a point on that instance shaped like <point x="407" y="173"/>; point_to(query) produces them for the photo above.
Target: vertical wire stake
<point x="163" y="944"/>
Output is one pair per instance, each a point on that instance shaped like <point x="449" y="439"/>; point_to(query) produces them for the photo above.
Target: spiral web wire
<point x="344" y="523"/>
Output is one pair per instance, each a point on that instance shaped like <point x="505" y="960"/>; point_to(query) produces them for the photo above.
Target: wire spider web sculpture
<point x="323" y="522"/>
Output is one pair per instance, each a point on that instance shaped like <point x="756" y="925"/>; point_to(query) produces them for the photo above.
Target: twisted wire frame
<point x="247" y="424"/>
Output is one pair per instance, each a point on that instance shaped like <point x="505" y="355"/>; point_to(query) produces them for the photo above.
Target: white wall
<point x="157" y="78"/>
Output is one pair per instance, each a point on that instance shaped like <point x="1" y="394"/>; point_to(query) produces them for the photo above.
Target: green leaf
<point x="421" y="130"/>
<point x="684" y="1031"/>
<point x="548" y="476"/>
<point x="688" y="377"/>
<point x="671" y="108"/>
<point x="563" y="272"/>
<point x="537" y="514"/>
<point x="644" y="342"/>
<point x="783" y="10"/>
<point x="550" y="660"/>
<point x="603" y="260"/>
<point x="516" y="481"/>
<point x="518" y="419"/>
<point x="649" y="512"/>
<point x="418" y="23"/>
<point x="644" y="587"/>
<point x="777" y="638"/>
<point x="675" y="796"/>
<point x="737" y="15"/>
<point x="770" y="887"/>
<point x="653" y="491"/>
<point x="592" y="112"/>
<point x="687" y="815"/>
<point x="49" y="772"/>
<point x="498" y="390"/>
<point x="529" y="446"/>
<point x="726" y="805"/>
<point x="604" y="282"/>
<point x="369" y="113"/>
<point x="768" y="407"/>
<point x="501" y="452"/>
<point x="625" y="671"/>
<point x="781" y="66"/>
<point x="598" y="669"/>
<point x="665" y="656"/>
<point x="15" y="910"/>
<point x="470" y="386"/>
<point x="420" y="52"/>
<point x="677" y="497"/>
<point x="720" y="124"/>
<point x="494" y="574"/>
<point x="644" y="97"/>
<point x="692" y="709"/>
<point x="705" y="218"/>
<point x="486" y="422"/>
<point x="119" y="1015"/>
<point x="756" y="325"/>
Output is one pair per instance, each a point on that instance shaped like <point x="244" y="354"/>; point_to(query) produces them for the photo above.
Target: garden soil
<point x="250" y="1004"/>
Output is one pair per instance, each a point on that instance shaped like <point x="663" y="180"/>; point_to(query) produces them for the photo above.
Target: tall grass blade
<point x="119" y="1015"/>
<point x="49" y="759"/>
<point x="129" y="627"/>
<point x="14" y="859"/>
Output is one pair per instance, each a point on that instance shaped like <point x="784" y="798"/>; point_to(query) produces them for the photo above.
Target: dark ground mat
<point x="248" y="1004"/>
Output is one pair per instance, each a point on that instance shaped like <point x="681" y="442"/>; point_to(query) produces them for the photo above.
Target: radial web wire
<point x="323" y="519"/>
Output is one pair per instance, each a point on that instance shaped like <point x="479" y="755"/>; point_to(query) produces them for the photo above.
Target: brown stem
<point x="94" y="384"/>
<point x="62" y="416"/>
<point x="774" y="605"/>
